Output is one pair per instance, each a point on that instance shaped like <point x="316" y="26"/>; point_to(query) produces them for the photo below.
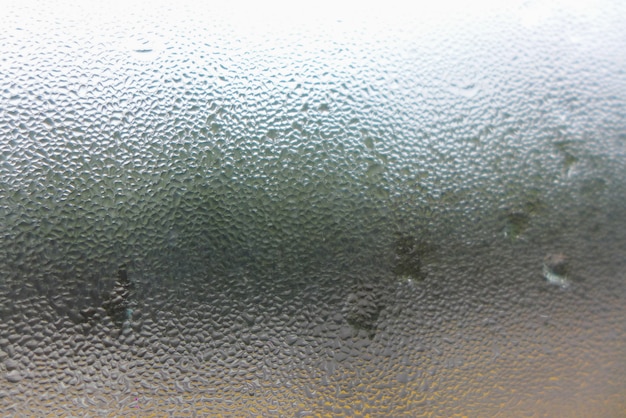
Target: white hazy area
<point x="251" y="18"/>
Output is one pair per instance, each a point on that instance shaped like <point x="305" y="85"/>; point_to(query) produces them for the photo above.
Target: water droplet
<point x="555" y="270"/>
<point x="14" y="376"/>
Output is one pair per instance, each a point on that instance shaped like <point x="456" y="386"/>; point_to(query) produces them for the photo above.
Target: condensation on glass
<point x="213" y="213"/>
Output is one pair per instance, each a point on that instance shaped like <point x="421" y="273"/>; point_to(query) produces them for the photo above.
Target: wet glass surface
<point x="251" y="213"/>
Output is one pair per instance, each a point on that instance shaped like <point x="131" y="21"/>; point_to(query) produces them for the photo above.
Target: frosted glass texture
<point x="220" y="212"/>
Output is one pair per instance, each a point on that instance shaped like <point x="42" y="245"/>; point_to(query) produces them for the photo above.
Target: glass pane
<point x="315" y="211"/>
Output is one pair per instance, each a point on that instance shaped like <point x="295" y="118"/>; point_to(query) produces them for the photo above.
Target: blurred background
<point x="316" y="210"/>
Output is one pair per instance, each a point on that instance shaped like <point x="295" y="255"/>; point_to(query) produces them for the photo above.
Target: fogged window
<point x="313" y="211"/>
